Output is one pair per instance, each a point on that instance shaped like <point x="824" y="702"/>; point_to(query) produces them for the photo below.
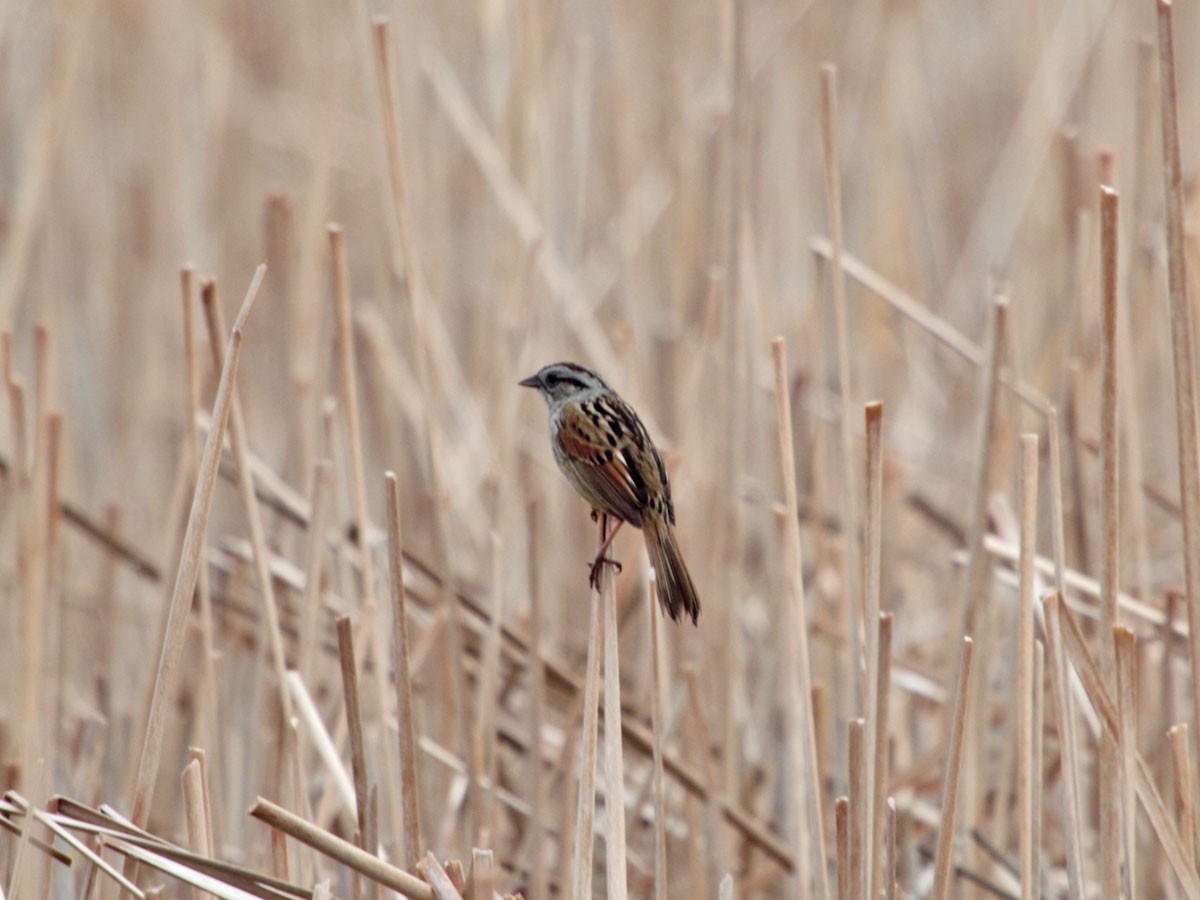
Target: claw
<point x="595" y="567"/>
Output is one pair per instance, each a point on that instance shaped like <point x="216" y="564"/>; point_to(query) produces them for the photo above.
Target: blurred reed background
<point x="907" y="192"/>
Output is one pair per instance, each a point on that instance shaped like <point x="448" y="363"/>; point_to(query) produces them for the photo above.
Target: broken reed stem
<point x="833" y="205"/>
<point x="1110" y="523"/>
<point x="841" y="814"/>
<point x="245" y="482"/>
<point x="1035" y="826"/>
<point x="585" y="807"/>
<point x="1126" y="664"/>
<point x="881" y="871"/>
<point x="1026" y="684"/>
<point x="945" y="846"/>
<point x="1065" y="714"/>
<point x="341" y="850"/>
<point x="872" y="540"/>
<point x="807" y="823"/>
<point x="405" y="716"/>
<point x="348" y="389"/>
<point x="167" y="677"/>
<point x="889" y="859"/>
<point x="1185" y="801"/>
<point x="481" y="880"/>
<point x="536" y="685"/>
<point x="358" y="754"/>
<point x="614" y="767"/>
<point x="856" y="775"/>
<point x="211" y="696"/>
<point x="443" y="884"/>
<point x="1181" y="348"/>
<point x="198" y="826"/>
<point x="656" y="714"/>
<point x="1147" y="792"/>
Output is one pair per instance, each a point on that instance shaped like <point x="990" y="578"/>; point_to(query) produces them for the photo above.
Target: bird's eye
<point x="552" y="380"/>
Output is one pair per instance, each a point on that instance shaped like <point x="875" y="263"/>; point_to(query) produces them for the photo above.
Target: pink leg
<point x="605" y="542"/>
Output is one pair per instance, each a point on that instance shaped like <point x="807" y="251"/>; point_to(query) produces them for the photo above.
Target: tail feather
<point x="676" y="592"/>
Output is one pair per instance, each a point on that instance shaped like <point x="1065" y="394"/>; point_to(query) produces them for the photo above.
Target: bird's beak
<point x="532" y="381"/>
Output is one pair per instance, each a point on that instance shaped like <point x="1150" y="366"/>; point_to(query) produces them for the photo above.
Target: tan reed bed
<point x="298" y="608"/>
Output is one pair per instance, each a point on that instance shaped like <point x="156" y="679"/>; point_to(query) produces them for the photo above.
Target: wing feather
<point x="598" y="467"/>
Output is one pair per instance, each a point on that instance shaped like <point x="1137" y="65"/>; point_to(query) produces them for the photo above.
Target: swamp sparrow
<point x="602" y="447"/>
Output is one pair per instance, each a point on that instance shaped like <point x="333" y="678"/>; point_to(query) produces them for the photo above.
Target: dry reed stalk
<point x="872" y="550"/>
<point x="919" y="314"/>
<point x="1126" y="663"/>
<point x="1147" y="792"/>
<point x="1057" y="519"/>
<point x="481" y="880"/>
<point x="1185" y="801"/>
<point x="484" y="742"/>
<point x="978" y="567"/>
<point x="348" y="389"/>
<point x="43" y="357"/>
<point x="358" y="753"/>
<point x="890" y="857"/>
<point x="945" y="846"/>
<point x="197" y="815"/>
<point x="841" y="812"/>
<point x="310" y="716"/>
<point x="440" y="880"/>
<point x="279" y="856"/>
<point x="975" y="578"/>
<point x="809" y="834"/>
<point x="1064" y="712"/>
<point x="856" y="776"/>
<point x="881" y="873"/>
<point x="314" y="568"/>
<point x="426" y="330"/>
<point x="1110" y="558"/>
<point x="410" y="841"/>
<point x="585" y="807"/>
<point x="1035" y="826"/>
<point x="833" y="204"/>
<point x="716" y="855"/>
<point x="341" y="850"/>
<point x="96" y="860"/>
<point x="657" y="689"/>
<point x="1108" y="784"/>
<point x="198" y="756"/>
<point x="166" y="677"/>
<point x="536" y="685"/>
<point x="1026" y="685"/>
<point x="211" y="695"/>
<point x="18" y="424"/>
<point x="614" y="765"/>
<point x="258" y="540"/>
<point x="1182" y="353"/>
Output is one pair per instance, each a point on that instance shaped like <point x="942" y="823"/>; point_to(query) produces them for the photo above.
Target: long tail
<point x="676" y="592"/>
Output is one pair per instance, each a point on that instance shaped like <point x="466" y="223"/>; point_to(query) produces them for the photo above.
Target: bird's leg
<point x="605" y="542"/>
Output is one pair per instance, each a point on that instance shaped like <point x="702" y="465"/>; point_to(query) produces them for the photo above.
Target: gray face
<point x="560" y="382"/>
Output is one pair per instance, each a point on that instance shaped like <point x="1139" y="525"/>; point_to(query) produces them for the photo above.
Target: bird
<point x="604" y="450"/>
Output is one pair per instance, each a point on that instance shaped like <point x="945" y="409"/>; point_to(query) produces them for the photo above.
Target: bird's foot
<point x="597" y="566"/>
